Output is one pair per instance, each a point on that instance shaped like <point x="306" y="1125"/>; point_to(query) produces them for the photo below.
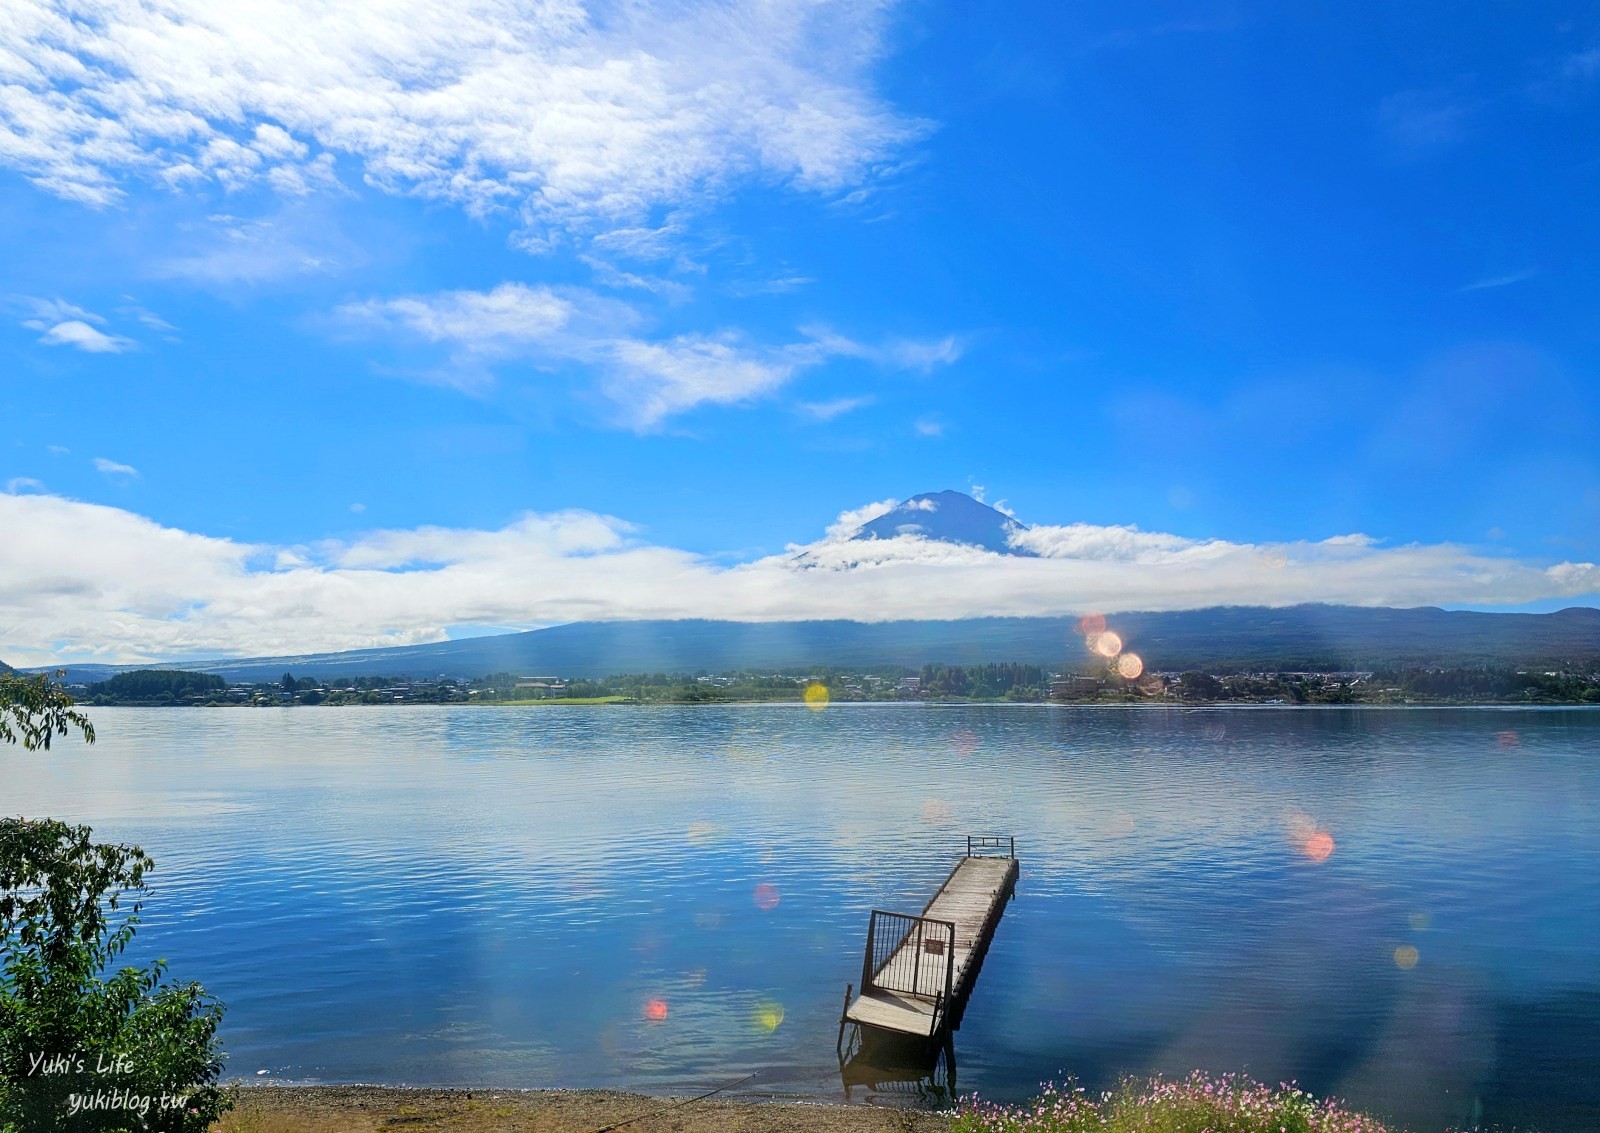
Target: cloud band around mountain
<point x="84" y="582"/>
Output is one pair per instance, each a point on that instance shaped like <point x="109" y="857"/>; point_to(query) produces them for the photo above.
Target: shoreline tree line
<point x="999" y="682"/>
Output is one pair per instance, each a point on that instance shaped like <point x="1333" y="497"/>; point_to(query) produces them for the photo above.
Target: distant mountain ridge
<point x="1231" y="638"/>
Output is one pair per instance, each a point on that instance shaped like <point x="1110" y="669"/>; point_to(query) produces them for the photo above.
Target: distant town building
<point x="1071" y="684"/>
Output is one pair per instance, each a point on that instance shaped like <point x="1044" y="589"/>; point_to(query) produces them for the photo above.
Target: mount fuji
<point x="948" y="517"/>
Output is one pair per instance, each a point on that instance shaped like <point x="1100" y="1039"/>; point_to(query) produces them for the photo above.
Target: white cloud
<point x="45" y="313"/>
<point x="501" y="321"/>
<point x="828" y="410"/>
<point x="19" y="484"/>
<point x="781" y="286"/>
<point x="575" y="119"/>
<point x="924" y="356"/>
<point x="86" y="581"/>
<point x="77" y="333"/>
<point x="651" y="381"/>
<point x="648" y="380"/>
<point x="291" y="244"/>
<point x="853" y="519"/>
<point x="148" y="318"/>
<point x="644" y="243"/>
<point x="929" y="427"/>
<point x="113" y="469"/>
<point x="66" y="324"/>
<point x="897" y="354"/>
<point x="1500" y="280"/>
<point x="1087" y="541"/>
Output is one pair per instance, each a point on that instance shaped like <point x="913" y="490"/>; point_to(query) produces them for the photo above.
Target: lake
<point x="1400" y="907"/>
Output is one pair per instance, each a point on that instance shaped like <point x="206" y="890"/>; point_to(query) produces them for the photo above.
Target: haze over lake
<point x="1398" y="907"/>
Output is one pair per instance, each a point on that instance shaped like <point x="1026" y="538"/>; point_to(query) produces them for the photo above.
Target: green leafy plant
<point x="83" y="1047"/>
<point x="33" y="709"/>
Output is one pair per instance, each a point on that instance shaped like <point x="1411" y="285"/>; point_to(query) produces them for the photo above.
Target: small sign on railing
<point x="933" y="947"/>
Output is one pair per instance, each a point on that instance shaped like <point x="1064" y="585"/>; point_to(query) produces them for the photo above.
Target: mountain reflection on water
<point x="1397" y="907"/>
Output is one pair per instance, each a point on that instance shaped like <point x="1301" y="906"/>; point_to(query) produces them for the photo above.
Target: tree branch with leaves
<point x="70" y="1027"/>
<point x="33" y="709"/>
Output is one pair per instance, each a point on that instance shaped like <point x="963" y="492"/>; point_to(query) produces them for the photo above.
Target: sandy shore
<point x="357" y="1109"/>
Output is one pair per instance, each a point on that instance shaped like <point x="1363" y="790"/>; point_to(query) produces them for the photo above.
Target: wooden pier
<point x="919" y="970"/>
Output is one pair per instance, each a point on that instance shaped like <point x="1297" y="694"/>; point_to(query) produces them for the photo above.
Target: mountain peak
<point x="947" y="517"/>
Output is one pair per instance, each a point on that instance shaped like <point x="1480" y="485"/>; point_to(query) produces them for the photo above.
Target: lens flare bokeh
<point x="1319" y="847"/>
<point x="767" y="1016"/>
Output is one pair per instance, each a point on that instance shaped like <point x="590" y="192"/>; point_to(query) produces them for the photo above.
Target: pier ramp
<point x="918" y="971"/>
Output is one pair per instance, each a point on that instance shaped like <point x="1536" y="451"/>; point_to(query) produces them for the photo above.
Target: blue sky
<point x="299" y="312"/>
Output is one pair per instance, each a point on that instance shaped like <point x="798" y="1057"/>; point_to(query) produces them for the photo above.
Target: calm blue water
<point x="496" y="896"/>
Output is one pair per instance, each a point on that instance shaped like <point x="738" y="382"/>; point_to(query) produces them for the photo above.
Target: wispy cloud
<point x="503" y="321"/>
<point x="86" y="580"/>
<point x="1416" y="123"/>
<point x="852" y="520"/>
<point x="1500" y="280"/>
<point x="228" y="250"/>
<point x="828" y="410"/>
<point x="779" y="286"/>
<point x="84" y="337"/>
<point x="929" y="427"/>
<point x="148" y="318"/>
<point x="925" y="356"/>
<point x="115" y="470"/>
<point x="45" y="313"/>
<point x="1581" y="66"/>
<point x="647" y="379"/>
<point x="67" y="324"/>
<point x="899" y="354"/>
<point x="19" y="484"/>
<point x="569" y="121"/>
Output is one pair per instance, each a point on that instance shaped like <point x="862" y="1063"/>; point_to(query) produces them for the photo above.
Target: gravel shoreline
<point x="360" y="1109"/>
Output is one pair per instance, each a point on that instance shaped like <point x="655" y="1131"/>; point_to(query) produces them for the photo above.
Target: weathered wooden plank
<point x="970" y="899"/>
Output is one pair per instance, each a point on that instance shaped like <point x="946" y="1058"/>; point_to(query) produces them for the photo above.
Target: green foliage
<point x="83" y="1048"/>
<point x="986" y="682"/>
<point x="154" y="686"/>
<point x="1199" y="686"/>
<point x="34" y="709"/>
<point x="70" y="1029"/>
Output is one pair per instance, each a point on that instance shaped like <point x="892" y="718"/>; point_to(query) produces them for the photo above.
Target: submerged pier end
<point x="918" y="971"/>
